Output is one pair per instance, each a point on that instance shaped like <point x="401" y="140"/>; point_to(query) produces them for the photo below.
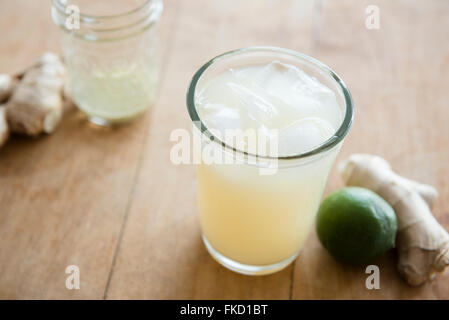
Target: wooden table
<point x="111" y="202"/>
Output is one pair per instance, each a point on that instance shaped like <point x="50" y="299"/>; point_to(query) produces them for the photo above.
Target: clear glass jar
<point x="111" y="52"/>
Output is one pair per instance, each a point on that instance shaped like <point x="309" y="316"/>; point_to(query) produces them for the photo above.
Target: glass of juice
<point x="255" y="222"/>
<point x="111" y="52"/>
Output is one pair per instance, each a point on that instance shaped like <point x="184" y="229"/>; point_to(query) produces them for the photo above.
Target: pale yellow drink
<point x="254" y="223"/>
<point x="115" y="95"/>
<point x="259" y="220"/>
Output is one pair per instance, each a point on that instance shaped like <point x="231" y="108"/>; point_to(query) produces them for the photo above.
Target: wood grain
<point x="63" y="197"/>
<point x="111" y="202"/>
<point x="401" y="111"/>
<point x="161" y="254"/>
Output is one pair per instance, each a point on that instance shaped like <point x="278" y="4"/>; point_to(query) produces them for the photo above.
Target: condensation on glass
<point x="111" y="54"/>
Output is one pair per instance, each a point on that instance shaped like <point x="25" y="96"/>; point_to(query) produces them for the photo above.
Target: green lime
<point x="356" y="225"/>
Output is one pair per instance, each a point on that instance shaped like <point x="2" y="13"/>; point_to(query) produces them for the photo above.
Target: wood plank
<point x="161" y="255"/>
<point x="398" y="76"/>
<point x="21" y="44"/>
<point x="63" y="197"/>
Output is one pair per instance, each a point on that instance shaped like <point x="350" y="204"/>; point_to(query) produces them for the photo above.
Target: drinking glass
<point x="255" y="223"/>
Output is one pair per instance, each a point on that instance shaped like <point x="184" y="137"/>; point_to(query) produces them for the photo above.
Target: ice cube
<point x="255" y="105"/>
<point x="303" y="135"/>
<point x="299" y="94"/>
<point x="273" y="96"/>
<point x="220" y="117"/>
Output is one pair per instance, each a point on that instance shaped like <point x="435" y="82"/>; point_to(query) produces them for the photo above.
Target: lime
<point x="356" y="225"/>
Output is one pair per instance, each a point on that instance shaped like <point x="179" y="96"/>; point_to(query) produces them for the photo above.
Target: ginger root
<point x="422" y="243"/>
<point x="36" y="105"/>
<point x="7" y="84"/>
<point x="4" y="129"/>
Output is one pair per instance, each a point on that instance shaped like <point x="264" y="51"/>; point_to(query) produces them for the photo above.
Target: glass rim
<point x="338" y="135"/>
<point x="61" y="6"/>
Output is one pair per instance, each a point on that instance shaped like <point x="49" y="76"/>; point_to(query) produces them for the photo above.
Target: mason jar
<point x="111" y="53"/>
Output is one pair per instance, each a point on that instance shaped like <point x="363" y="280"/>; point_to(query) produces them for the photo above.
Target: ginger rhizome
<point x="422" y="243"/>
<point x="7" y="84"/>
<point x="36" y="104"/>
<point x="4" y="128"/>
